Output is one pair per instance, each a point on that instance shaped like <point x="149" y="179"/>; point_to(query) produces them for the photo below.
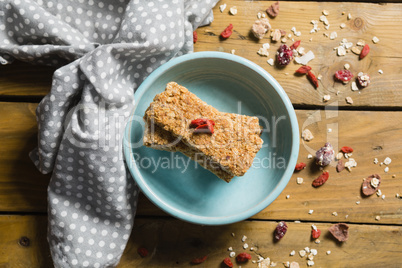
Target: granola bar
<point x="233" y="145"/>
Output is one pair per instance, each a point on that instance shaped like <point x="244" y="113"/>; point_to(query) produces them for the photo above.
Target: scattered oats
<point x="307" y="249"/>
<point x="271" y="61"/>
<point x="335" y="213"/>
<point x="387" y="161"/>
<point x="305" y="58"/>
<point x="298" y="33"/>
<point x="284" y="40"/>
<point x="383" y="197"/>
<point x="263" y="15"/>
<point x="339" y="156"/>
<point x="259" y="15"/>
<point x="375" y="161"/>
<point x="323" y="19"/>
<point x="244" y="238"/>
<point x="356" y="50"/>
<point x="292" y="253"/>
<point x="233" y="10"/>
<point x="375" y="40"/>
<point x="326" y="27"/>
<point x="251" y="249"/>
<point x="286" y="264"/>
<point x="273" y="264"/>
<point x="307" y="135"/>
<point x="263" y="263"/>
<point x="286" y="73"/>
<point x="343" y="25"/>
<point x="354" y="86"/>
<point x="341" y="51"/>
<point x="313" y="251"/>
<point x="381" y="164"/>
<point x="297" y="221"/>
<point x="329" y="130"/>
<point x="325" y="12"/>
<point x="309" y="156"/>
<point x="377" y="218"/>
<point x="245" y="246"/>
<point x="380" y="71"/>
<point x="288" y="196"/>
<point x="315" y="26"/>
<point x="349" y="16"/>
<point x="310" y="256"/>
<point x="317" y="241"/>
<point x="230" y="249"/>
<point x="351" y="162"/>
<point x="293" y="29"/>
<point x="357" y="202"/>
<point x="374" y="182"/>
<point x="233" y="234"/>
<point x="294" y="264"/>
<point x="254" y="261"/>
<point x="311" y="39"/>
<point x="394" y="176"/>
<point x="397" y="195"/>
<point x="361" y="43"/>
<point x="325" y="34"/>
<point x="233" y="51"/>
<point x="310" y="211"/>
<point x="310" y="263"/>
<point x="263" y="51"/>
<point x="232" y="254"/>
<point x="313" y="227"/>
<point x="326" y="98"/>
<point x="346" y="216"/>
<point x="299" y="180"/>
<point x="349" y="100"/>
<point x="333" y="35"/>
<point x="222" y="7"/>
<point x="338" y="92"/>
<point x="319" y="77"/>
<point x="378" y="193"/>
<point x="328" y="252"/>
<point x="276" y="35"/>
<point x="302" y="253"/>
<point x="386" y="169"/>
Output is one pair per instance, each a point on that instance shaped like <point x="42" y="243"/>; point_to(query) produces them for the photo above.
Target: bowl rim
<point x="203" y="220"/>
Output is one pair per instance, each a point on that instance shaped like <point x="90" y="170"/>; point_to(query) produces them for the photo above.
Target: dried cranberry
<point x="284" y="55"/>
<point x="343" y="75"/>
<point x="325" y="155"/>
<point x="280" y="230"/>
<point x="347" y="149"/>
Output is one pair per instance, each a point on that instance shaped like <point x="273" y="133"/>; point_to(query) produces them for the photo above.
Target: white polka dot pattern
<point x="104" y="48"/>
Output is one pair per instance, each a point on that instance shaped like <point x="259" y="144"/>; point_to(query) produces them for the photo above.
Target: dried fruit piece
<point x="340" y="166"/>
<point x="227" y="32"/>
<point x="340" y="231"/>
<point x="280" y="230"/>
<point x="303" y="69"/>
<point x="325" y="155"/>
<point x="321" y="179"/>
<point x="363" y="79"/>
<point x="371" y="184"/>
<point x="195" y="37"/>
<point x="273" y="10"/>
<point x="295" y="45"/>
<point x="344" y="75"/>
<point x="228" y="262"/>
<point x="243" y="257"/>
<point x="365" y="51"/>
<point x="313" y="79"/>
<point x="315" y="233"/>
<point x="143" y="252"/>
<point x="205" y="128"/>
<point x="199" y="260"/>
<point x="300" y="166"/>
<point x="347" y="149"/>
<point x="284" y="55"/>
<point x="260" y="28"/>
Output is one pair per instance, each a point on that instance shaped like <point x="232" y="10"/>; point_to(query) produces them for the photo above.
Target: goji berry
<point x="347" y="149"/>
<point x="210" y="126"/>
<point x="195" y="37"/>
<point x="201" y="121"/>
<point x="364" y="52"/>
<point x="143" y="252"/>
<point x="343" y="75"/>
<point x="243" y="257"/>
<point x="303" y="69"/>
<point x="321" y="179"/>
<point x="228" y="262"/>
<point x="312" y="79"/>
<point x="315" y="233"/>
<point x="227" y="32"/>
<point x="295" y="44"/>
<point x="199" y="260"/>
<point x="300" y="166"/>
<point x="284" y="55"/>
<point x="280" y="230"/>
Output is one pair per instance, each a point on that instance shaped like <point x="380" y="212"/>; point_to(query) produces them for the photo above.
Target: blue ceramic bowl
<point x="181" y="187"/>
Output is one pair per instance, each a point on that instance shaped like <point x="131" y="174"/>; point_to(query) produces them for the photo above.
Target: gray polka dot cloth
<point x="105" y="49"/>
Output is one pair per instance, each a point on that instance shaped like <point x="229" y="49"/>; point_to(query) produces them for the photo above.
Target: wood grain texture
<point x="368" y="20"/>
<point x="22" y="187"/>
<point x="173" y="243"/>
<point x="12" y="253"/>
<point x="371" y="135"/>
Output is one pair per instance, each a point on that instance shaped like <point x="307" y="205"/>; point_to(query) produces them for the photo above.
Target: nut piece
<point x="273" y="10"/>
<point x="370" y="185"/>
<point x="340" y="231"/>
<point x="260" y="28"/>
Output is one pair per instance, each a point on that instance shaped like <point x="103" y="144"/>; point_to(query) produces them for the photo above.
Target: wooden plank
<point x="368" y="20"/>
<point x="12" y="253"/>
<point x="371" y="135"/>
<point x="173" y="243"/>
<point x="24" y="79"/>
<point x="22" y="186"/>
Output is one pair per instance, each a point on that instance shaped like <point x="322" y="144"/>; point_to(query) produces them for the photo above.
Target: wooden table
<point x="372" y="126"/>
